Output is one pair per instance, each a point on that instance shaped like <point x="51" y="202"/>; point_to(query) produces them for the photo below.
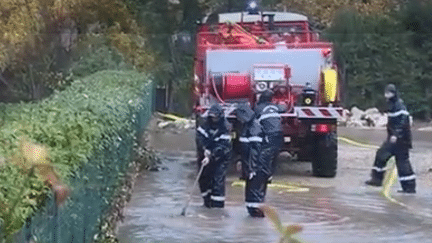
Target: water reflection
<point x="328" y="215"/>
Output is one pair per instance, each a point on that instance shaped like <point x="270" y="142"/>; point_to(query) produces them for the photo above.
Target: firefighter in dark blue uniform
<point x="256" y="169"/>
<point x="397" y="144"/>
<point x="268" y="114"/>
<point x="214" y="140"/>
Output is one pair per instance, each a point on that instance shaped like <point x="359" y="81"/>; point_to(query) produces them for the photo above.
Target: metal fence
<point x="93" y="185"/>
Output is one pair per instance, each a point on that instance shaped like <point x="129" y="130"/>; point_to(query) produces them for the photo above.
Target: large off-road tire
<point x="324" y="155"/>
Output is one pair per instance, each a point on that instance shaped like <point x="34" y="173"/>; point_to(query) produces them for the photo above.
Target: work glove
<point x="239" y="166"/>
<point x="205" y="161"/>
<point x="207" y="153"/>
<point x="251" y="175"/>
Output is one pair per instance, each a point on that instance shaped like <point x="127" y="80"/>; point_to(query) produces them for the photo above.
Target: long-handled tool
<point x="192" y="189"/>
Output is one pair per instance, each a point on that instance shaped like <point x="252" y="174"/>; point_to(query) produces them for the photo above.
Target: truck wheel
<point x="324" y="160"/>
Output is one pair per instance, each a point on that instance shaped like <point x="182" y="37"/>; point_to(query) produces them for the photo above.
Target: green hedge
<point x="91" y="116"/>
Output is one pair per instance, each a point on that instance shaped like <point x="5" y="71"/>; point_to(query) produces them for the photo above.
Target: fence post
<point x="28" y="233"/>
<point x="84" y="216"/>
<point x="55" y="220"/>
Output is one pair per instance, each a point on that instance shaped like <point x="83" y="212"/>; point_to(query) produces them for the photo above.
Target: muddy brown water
<point x="331" y="210"/>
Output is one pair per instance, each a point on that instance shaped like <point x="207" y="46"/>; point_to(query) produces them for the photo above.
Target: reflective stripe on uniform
<point x="224" y="137"/>
<point x="377" y="169"/>
<point x="202" y="131"/>
<point x="265" y="116"/>
<point x="269" y="107"/>
<point x="251" y="139"/>
<point x="217" y="198"/>
<point x="398" y="113"/>
<point x="205" y="193"/>
<point x="255" y="139"/>
<point x="407" y="178"/>
<point x="253" y="204"/>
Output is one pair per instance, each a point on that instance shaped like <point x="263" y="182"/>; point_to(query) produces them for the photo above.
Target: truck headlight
<point x="308" y="98"/>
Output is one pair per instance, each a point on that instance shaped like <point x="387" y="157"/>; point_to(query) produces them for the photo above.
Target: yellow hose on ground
<point x="352" y="142"/>
<point x="171" y="117"/>
<point x="276" y="185"/>
<point x="389" y="179"/>
<point x="390" y="176"/>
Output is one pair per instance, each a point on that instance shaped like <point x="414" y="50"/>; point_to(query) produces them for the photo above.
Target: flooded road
<point x="330" y="210"/>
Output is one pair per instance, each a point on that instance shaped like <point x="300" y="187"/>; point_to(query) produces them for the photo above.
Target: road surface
<point x="341" y="209"/>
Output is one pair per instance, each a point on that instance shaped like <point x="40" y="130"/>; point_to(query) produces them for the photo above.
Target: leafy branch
<point x="33" y="158"/>
<point x="287" y="232"/>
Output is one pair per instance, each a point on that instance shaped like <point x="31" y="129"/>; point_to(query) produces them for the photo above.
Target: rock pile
<point x="358" y="118"/>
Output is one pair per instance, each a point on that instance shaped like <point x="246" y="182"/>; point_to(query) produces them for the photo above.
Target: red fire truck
<point x="239" y="55"/>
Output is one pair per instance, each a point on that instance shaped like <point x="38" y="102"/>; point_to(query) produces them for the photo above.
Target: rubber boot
<point x="376" y="180"/>
<point x="373" y="182"/>
<point x="255" y="212"/>
<point x="408" y="187"/>
<point x="207" y="201"/>
<point x="412" y="191"/>
<point x="217" y="204"/>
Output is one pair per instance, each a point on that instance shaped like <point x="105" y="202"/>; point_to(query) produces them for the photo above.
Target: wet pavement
<point x="330" y="210"/>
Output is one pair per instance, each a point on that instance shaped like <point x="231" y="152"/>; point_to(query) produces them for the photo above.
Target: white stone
<point x="381" y="121"/>
<point x="425" y="129"/>
<point x="356" y="113"/>
<point x="372" y="111"/>
<point x="164" y="124"/>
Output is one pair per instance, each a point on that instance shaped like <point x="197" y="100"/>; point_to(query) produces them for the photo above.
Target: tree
<point x="38" y="37"/>
<point x="387" y="48"/>
<point x="323" y="11"/>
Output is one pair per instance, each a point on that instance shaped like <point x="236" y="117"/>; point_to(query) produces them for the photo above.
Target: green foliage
<point x="182" y="100"/>
<point x="21" y="193"/>
<point x="324" y="11"/>
<point x="381" y="49"/>
<point x="133" y="48"/>
<point x="39" y="37"/>
<point x="163" y="20"/>
<point x="95" y="54"/>
<point x="88" y="115"/>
